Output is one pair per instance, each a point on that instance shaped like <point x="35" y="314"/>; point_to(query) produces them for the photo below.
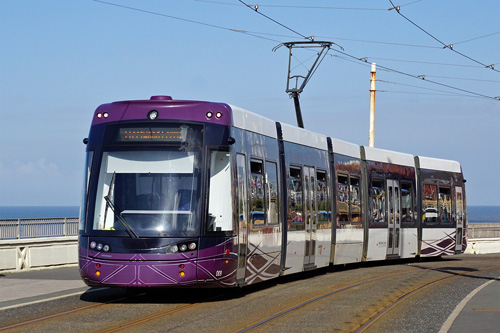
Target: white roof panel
<point x="303" y="137"/>
<point x="439" y="164"/>
<point x="345" y="148"/>
<point x="253" y="122"/>
<point x="388" y="156"/>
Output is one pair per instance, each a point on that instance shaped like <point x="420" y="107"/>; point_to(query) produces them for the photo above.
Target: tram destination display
<point x="151" y="134"/>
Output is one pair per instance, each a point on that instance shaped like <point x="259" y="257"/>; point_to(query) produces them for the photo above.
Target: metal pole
<point x="298" y="112"/>
<point x="372" y="105"/>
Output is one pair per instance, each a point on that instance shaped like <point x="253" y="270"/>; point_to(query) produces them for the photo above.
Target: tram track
<point x="64" y="313"/>
<point x="366" y="326"/>
<point x="122" y="325"/>
<point x="374" y="316"/>
<point x="272" y="305"/>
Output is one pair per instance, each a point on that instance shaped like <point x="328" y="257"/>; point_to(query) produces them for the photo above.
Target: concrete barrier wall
<point x="22" y="254"/>
<point x="483" y="230"/>
<point x="483" y="246"/>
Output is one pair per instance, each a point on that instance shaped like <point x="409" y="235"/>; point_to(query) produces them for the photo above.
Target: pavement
<point x="35" y="286"/>
<point x="479" y="311"/>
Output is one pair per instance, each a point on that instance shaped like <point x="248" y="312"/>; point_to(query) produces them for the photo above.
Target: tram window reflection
<point x="406" y="203"/>
<point x="377" y="202"/>
<point x="241" y="173"/>
<point x="257" y="200"/>
<point x="355" y="201"/>
<point x="445" y="205"/>
<point x="342" y="199"/>
<point x="295" y="191"/>
<point x="272" y="198"/>
<point x="324" y="214"/>
<point x="429" y="204"/>
<point x="219" y="204"/>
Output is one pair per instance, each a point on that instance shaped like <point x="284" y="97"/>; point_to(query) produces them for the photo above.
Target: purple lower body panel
<point x="443" y="243"/>
<point x="209" y="267"/>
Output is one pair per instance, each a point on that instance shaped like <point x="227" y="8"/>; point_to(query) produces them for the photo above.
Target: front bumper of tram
<point x="161" y="262"/>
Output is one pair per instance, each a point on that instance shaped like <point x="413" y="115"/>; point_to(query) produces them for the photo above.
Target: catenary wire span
<point x="305" y="7"/>
<point x="348" y="57"/>
<point x="445" y="46"/>
<point x="256" y="7"/>
<point x="421" y="77"/>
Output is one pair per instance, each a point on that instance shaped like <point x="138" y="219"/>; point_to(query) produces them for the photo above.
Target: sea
<point x="477" y="214"/>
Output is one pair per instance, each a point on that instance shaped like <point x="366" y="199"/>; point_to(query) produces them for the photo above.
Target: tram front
<point x="148" y="216"/>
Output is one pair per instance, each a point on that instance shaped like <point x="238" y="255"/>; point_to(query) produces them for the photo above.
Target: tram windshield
<point x="148" y="193"/>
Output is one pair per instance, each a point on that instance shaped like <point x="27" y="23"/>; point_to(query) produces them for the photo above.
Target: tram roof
<point x="345" y="148"/>
<point x="303" y="137"/>
<point x="439" y="164"/>
<point x="388" y="156"/>
<point x="253" y="122"/>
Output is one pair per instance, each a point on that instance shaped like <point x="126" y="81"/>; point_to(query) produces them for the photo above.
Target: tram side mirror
<point x="231" y="140"/>
<point x="85" y="141"/>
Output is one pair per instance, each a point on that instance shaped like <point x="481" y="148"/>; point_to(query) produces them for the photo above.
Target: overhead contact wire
<point x="269" y="18"/>
<point x="358" y="60"/>
<point x="449" y="46"/>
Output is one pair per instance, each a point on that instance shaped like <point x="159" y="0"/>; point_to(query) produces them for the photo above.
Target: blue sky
<point x="59" y="60"/>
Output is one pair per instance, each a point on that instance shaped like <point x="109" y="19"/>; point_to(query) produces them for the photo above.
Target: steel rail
<point x="157" y="315"/>
<point x="283" y="312"/>
<point x="376" y="316"/>
<point x="121" y="325"/>
<point x="59" y="314"/>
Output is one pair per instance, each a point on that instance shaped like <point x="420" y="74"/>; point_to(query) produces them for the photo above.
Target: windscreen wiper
<point x="121" y="219"/>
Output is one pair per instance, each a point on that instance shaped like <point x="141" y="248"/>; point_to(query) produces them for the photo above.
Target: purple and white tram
<point x="199" y="194"/>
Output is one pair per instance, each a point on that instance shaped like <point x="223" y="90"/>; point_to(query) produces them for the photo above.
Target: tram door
<point x="241" y="194"/>
<point x="394" y="214"/>
<point x="459" y="209"/>
<point x="310" y="214"/>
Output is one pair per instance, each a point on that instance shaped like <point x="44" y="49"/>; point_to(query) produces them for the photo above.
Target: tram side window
<point x="445" y="205"/>
<point x="355" y="201"/>
<point x="257" y="200"/>
<point x="342" y="199"/>
<point x="83" y="206"/>
<point x="241" y="173"/>
<point x="406" y="203"/>
<point x="295" y="190"/>
<point x="429" y="204"/>
<point x="324" y="214"/>
<point x="459" y="204"/>
<point x="220" y="205"/>
<point x="377" y="202"/>
<point x="272" y="193"/>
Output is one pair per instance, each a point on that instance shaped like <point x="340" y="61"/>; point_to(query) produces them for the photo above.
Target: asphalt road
<point x="400" y="296"/>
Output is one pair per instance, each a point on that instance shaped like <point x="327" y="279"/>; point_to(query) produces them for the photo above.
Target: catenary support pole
<point x="373" y="78"/>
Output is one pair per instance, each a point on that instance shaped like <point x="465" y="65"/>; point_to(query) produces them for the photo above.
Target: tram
<point x="200" y="194"/>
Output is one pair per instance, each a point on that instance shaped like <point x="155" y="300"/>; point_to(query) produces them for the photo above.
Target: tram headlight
<point x="183" y="247"/>
<point x="93" y="245"/>
<point x="105" y="248"/>
<point x="174" y="249"/>
<point x="192" y="246"/>
<point x="209" y="114"/>
<point x="218" y="115"/>
<point x="152" y="115"/>
<point x="99" y="247"/>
